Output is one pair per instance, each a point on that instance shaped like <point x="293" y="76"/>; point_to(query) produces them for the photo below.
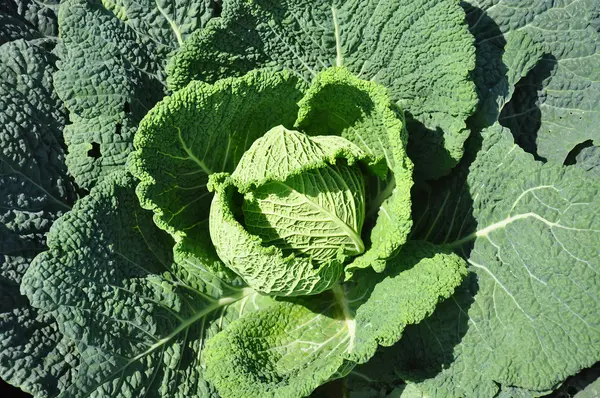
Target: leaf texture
<point x="28" y="20"/>
<point x="110" y="280"/>
<point x="589" y="159"/>
<point x="555" y="106"/>
<point x="378" y="41"/>
<point x="111" y="73"/>
<point x="338" y="103"/>
<point x="293" y="346"/>
<point x="197" y="131"/>
<point x="284" y="159"/>
<point x="526" y="318"/>
<point x="35" y="191"/>
<point x="314" y="213"/>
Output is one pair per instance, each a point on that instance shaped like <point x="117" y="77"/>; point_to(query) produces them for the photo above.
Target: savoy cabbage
<point x="256" y="198"/>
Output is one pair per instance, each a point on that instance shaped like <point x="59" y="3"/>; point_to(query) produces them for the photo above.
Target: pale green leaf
<point x="197" y="131"/>
<point x="338" y="103"/>
<point x="527" y="317"/>
<point x="591" y="391"/>
<point x="314" y="213"/>
<point x="287" y="173"/>
<point x="281" y="154"/>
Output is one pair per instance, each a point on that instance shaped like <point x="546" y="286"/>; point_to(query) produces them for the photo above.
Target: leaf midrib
<point x="222" y="302"/>
<point x="484" y="232"/>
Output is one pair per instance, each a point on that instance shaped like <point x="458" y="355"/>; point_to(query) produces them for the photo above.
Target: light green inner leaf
<point x="314" y="213"/>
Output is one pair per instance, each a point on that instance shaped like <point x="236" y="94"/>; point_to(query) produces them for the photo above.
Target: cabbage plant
<point x="268" y="198"/>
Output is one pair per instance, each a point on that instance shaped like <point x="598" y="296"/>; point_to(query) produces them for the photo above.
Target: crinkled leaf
<point x="35" y="191"/>
<point x="589" y="160"/>
<point x="338" y="103"/>
<point x="35" y="16"/>
<point x="266" y="268"/>
<point x="316" y="213"/>
<point x="527" y="318"/>
<point x="407" y="391"/>
<point x="35" y="356"/>
<point x="197" y="131"/>
<point x="376" y="40"/>
<point x="110" y="281"/>
<point x="292" y="347"/>
<point x="312" y="200"/>
<point x="12" y="28"/>
<point x="281" y="154"/>
<point x="285" y="162"/>
<point x="501" y="63"/>
<point x="555" y="107"/>
<point x="111" y="73"/>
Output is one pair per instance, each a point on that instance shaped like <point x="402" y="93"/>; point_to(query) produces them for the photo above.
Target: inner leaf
<point x="314" y="213"/>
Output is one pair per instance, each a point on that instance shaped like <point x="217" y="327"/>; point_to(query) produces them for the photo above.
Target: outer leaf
<point x="31" y="15"/>
<point x="12" y="28"/>
<point x="200" y="130"/>
<point x="407" y="391"/>
<point x="338" y="103"/>
<point x="34" y="192"/>
<point x="110" y="281"/>
<point x="376" y="40"/>
<point x="582" y="385"/>
<point x="292" y="347"/>
<point x="111" y="73"/>
<point x="589" y="159"/>
<point x="557" y="103"/>
<point x="529" y="318"/>
<point x="501" y="64"/>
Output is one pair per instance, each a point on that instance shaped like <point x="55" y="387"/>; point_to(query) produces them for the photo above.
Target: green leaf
<point x="35" y="357"/>
<point x="288" y="164"/>
<point x="113" y="55"/>
<point x="338" y="103"/>
<point x="110" y="281"/>
<point x="527" y="317"/>
<point x="315" y="212"/>
<point x="281" y="154"/>
<point x="28" y="20"/>
<point x="35" y="191"/>
<point x="12" y="28"/>
<point x="295" y="345"/>
<point x="197" y="131"/>
<point x="555" y="107"/>
<point x="589" y="159"/>
<point x="380" y="41"/>
<point x="327" y="213"/>
<point x="407" y="391"/>
<point x="501" y="64"/>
